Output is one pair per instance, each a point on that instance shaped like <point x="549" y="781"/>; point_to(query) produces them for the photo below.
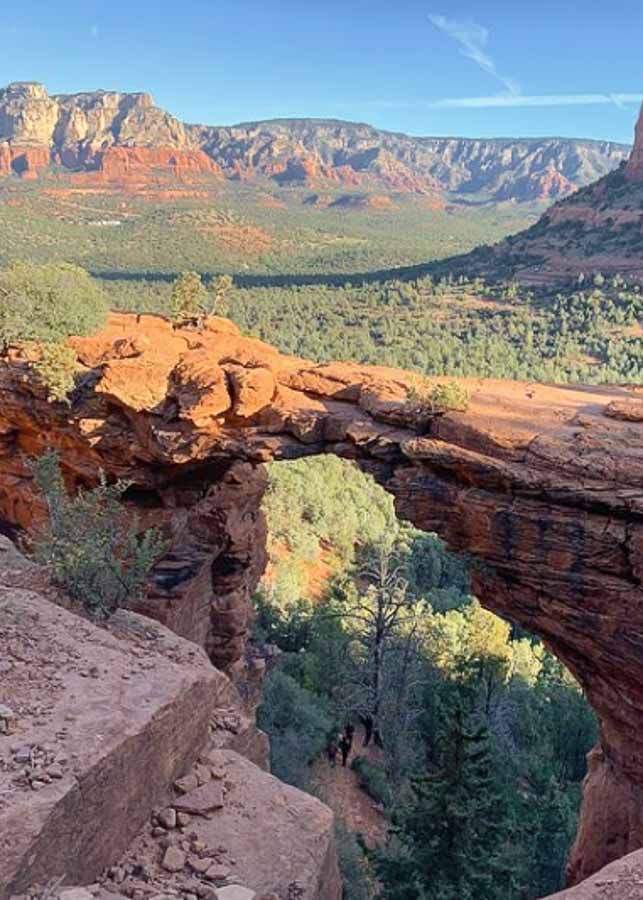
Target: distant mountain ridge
<point x="599" y="229"/>
<point x="117" y="136"/>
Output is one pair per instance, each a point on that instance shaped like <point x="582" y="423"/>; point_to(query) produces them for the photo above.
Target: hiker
<point x="331" y="750"/>
<point x="367" y="722"/>
<point x="349" y="731"/>
<point x="345" y="748"/>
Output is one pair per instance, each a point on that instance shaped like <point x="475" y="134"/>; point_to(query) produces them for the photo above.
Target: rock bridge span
<point x="544" y="484"/>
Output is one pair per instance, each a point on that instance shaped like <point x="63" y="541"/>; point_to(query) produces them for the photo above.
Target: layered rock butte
<point x="543" y="485"/>
<point x="107" y="136"/>
<point x="634" y="167"/>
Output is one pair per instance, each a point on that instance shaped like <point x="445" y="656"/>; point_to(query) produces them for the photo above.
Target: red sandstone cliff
<point x="543" y="484"/>
<point x="80" y="132"/>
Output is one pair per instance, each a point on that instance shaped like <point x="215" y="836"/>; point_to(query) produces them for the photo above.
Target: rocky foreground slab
<point x="102" y="722"/>
<point x="112" y="772"/>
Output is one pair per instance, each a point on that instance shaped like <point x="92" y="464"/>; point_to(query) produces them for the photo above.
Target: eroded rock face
<point x="114" y="134"/>
<point x="542" y="484"/>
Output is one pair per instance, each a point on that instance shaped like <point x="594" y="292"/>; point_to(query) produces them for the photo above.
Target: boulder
<point x="203" y="800"/>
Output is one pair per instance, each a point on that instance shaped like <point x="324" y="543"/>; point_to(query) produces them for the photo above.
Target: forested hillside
<point x="439" y="324"/>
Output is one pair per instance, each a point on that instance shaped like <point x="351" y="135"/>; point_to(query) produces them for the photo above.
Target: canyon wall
<point x="542" y="485"/>
<point x="113" y="135"/>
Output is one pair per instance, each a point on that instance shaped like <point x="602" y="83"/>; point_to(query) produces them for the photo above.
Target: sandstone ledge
<point x="621" y="880"/>
<point x="105" y="720"/>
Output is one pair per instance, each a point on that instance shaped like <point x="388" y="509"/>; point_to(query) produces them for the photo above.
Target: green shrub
<point x="353" y="865"/>
<point x="298" y="723"/>
<point x="220" y="288"/>
<point x="49" y="303"/>
<point x="373" y="779"/>
<point x="439" y="397"/>
<point x="93" y="551"/>
<point x="56" y="369"/>
<point x="189" y="298"/>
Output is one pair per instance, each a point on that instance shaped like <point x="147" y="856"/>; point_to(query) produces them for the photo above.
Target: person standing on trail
<point x="331" y="750"/>
<point x="349" y="732"/>
<point x="367" y="722"/>
<point x="345" y="748"/>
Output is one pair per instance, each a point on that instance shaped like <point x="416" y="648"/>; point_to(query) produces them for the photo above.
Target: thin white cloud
<point x="514" y="100"/>
<point x="473" y="40"/>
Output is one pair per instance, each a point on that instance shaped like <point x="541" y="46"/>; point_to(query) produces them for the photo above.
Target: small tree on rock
<point x="91" y="547"/>
<point x="56" y="368"/>
<point x="220" y="288"/>
<point x="189" y="298"/>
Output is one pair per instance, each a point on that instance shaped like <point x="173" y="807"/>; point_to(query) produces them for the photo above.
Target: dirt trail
<point x="339" y="788"/>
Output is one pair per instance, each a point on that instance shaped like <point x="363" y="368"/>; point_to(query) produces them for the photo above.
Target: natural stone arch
<point x="543" y="484"/>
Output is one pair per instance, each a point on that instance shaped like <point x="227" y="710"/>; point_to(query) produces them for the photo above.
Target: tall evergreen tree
<point x="448" y="844"/>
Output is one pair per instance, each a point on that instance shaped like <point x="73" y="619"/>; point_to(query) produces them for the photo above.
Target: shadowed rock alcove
<point x="542" y="484"/>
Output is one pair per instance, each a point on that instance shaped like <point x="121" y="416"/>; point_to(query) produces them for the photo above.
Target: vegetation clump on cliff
<point x="45" y="305"/>
<point x="56" y="367"/>
<point x="191" y="301"/>
<point x="437" y="398"/>
<point x="99" y="558"/>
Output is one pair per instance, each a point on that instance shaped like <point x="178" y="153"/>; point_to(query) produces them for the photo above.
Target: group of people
<point x="341" y="743"/>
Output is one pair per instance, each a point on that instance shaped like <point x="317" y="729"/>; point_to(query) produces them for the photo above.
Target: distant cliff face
<point x="598" y="229"/>
<point x="499" y="169"/>
<point x="82" y="131"/>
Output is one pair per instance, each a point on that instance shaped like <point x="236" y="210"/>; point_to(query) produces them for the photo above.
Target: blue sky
<point x="471" y="69"/>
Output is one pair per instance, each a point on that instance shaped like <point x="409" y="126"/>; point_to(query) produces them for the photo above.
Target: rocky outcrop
<point x="104" y="132"/>
<point x="621" y="880"/>
<point x="104" y="721"/>
<point x="543" y="485"/>
<point x="117" y="163"/>
<point x="117" y="135"/>
<point x="634" y="167"/>
<point x="120" y="765"/>
<point x="28" y="162"/>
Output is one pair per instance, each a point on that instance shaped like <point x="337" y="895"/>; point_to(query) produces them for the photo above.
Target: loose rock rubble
<point x="230" y="832"/>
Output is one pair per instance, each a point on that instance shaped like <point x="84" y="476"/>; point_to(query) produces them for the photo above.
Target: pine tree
<point x="189" y="298"/>
<point x="449" y="841"/>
